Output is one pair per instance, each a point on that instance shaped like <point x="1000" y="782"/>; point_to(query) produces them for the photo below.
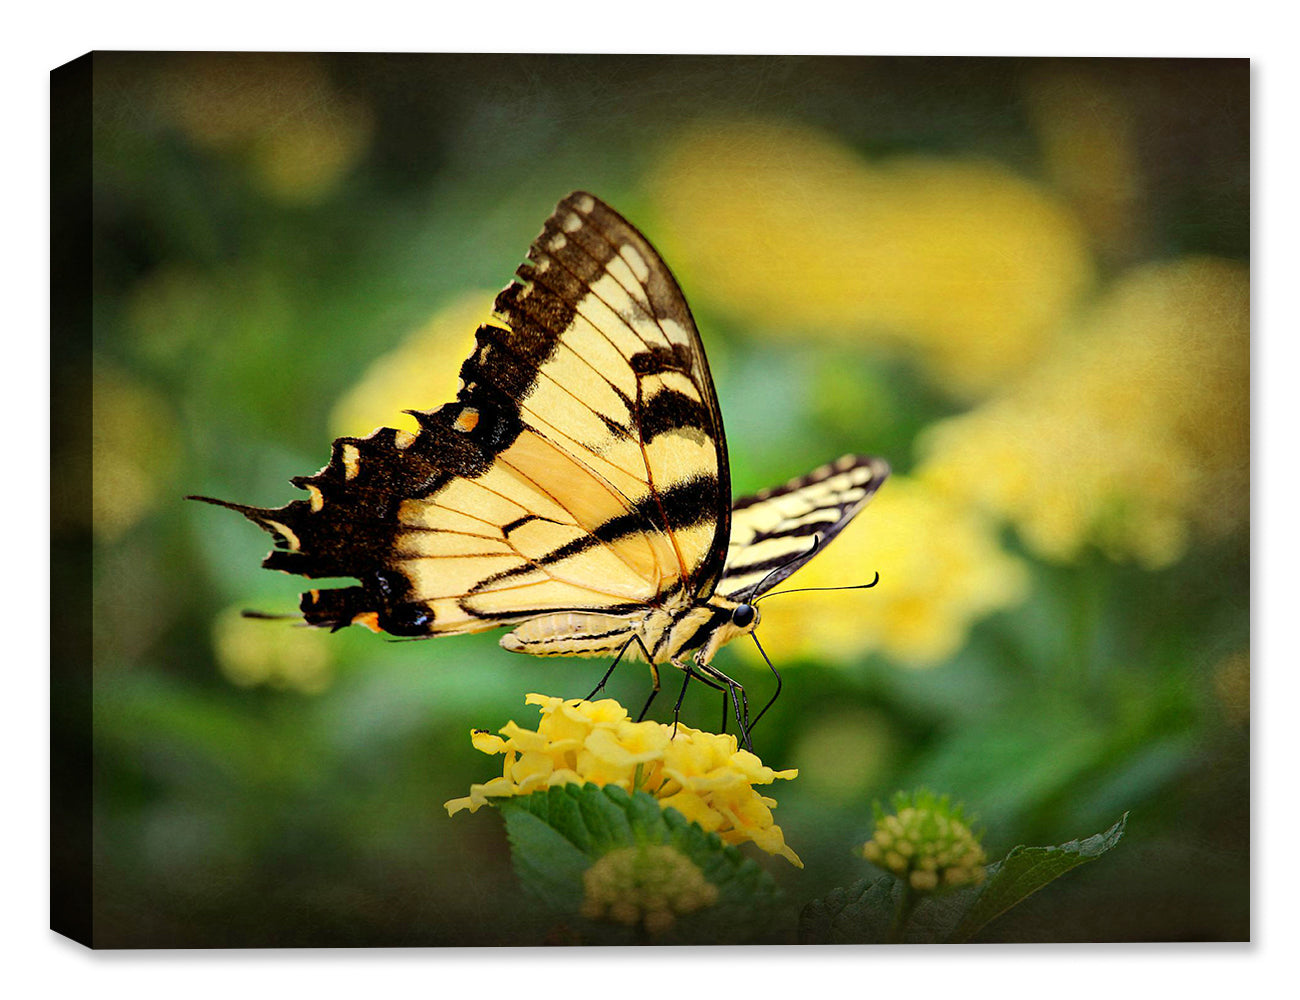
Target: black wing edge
<point x="348" y="527"/>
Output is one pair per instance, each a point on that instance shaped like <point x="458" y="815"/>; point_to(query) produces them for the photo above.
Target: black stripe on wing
<point x="350" y="525"/>
<point x="599" y="239"/>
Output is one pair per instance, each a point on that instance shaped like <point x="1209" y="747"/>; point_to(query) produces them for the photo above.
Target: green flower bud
<point x="649" y="885"/>
<point x="927" y="842"/>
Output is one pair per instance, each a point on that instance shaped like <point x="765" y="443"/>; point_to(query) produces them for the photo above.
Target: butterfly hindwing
<point x="776" y="531"/>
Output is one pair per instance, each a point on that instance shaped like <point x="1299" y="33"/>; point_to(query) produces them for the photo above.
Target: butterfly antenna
<point x="265" y="615"/>
<point x="803" y="590"/>
<point x="782" y="571"/>
<point x="775" y="694"/>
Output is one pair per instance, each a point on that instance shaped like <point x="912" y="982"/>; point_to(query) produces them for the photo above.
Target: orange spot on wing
<point x="370" y="619"/>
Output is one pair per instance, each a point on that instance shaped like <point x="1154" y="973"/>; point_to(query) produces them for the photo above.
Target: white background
<point x="37" y="962"/>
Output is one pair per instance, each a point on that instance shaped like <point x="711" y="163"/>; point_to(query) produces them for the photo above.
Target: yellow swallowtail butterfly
<point x="576" y="491"/>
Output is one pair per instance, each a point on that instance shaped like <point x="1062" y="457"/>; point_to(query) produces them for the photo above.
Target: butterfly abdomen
<point x="571" y="633"/>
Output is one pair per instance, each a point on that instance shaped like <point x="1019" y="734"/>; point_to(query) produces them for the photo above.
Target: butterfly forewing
<point x="628" y="354"/>
<point x="581" y="467"/>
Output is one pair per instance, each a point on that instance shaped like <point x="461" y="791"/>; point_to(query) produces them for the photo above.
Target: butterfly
<point x="577" y="491"/>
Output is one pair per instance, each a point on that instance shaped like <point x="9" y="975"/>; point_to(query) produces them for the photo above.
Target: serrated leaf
<point x="565" y="815"/>
<point x="936" y="915"/>
<point x="861" y="913"/>
<point x="545" y="860"/>
<point x="1025" y="870"/>
<point x="864" y="912"/>
<point x="557" y="833"/>
<point x="647" y="818"/>
<point x="606" y="821"/>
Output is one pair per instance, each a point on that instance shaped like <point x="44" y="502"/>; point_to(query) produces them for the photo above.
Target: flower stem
<point x="906" y="900"/>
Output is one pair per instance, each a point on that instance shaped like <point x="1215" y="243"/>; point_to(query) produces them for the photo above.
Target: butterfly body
<point x="665" y="632"/>
<point x="577" y="490"/>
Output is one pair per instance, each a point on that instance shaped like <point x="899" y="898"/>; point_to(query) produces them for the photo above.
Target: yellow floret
<point x="704" y="776"/>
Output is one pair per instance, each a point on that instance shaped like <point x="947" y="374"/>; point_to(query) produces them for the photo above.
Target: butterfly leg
<point x="775" y="694"/>
<point x="686" y="680"/>
<point x="654" y="691"/>
<point x="689" y="674"/>
<point x="654" y="673"/>
<point x="609" y="673"/>
<point x="739" y="700"/>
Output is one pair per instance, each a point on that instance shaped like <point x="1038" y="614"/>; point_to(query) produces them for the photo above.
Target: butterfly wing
<point x="582" y="466"/>
<point x="776" y="531"/>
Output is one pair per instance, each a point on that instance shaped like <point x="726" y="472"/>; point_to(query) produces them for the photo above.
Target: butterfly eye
<point x="743" y="616"/>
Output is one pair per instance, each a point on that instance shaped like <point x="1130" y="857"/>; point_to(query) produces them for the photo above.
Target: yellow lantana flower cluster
<point x="928" y="843"/>
<point x="1130" y="436"/>
<point x="704" y="776"/>
<point x="941" y="569"/>
<point x="648" y="884"/>
<point x="796" y="235"/>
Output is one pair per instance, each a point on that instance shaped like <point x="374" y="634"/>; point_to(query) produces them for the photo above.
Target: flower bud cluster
<point x="650" y="884"/>
<point x="926" y="842"/>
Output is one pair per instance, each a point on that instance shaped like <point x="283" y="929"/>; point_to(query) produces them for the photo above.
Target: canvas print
<point x="713" y="500"/>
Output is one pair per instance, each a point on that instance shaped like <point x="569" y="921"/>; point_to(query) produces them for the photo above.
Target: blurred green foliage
<point x="266" y="226"/>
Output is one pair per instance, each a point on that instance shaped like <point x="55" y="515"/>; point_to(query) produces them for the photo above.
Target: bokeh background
<point x="1024" y="282"/>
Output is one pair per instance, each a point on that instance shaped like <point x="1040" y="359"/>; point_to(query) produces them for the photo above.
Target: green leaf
<point x="647" y="818"/>
<point x="557" y="833"/>
<point x="545" y="860"/>
<point x="606" y="820"/>
<point x="864" y="912"/>
<point x="859" y="914"/>
<point x="1026" y="870"/>
<point x="936" y="915"/>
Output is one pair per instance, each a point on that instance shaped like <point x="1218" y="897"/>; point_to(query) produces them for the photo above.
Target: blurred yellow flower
<point x="649" y="884"/>
<point x="941" y="569"/>
<point x="1085" y="128"/>
<point x="1232" y="687"/>
<point x="251" y="652"/>
<point x="797" y="235"/>
<point x="1131" y="434"/>
<point x="300" y="133"/>
<point x="134" y="449"/>
<point x="419" y="374"/>
<point x="704" y="776"/>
